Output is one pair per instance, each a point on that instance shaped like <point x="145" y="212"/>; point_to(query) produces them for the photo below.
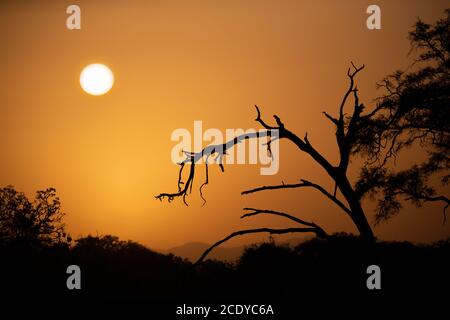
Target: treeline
<point x="116" y="269"/>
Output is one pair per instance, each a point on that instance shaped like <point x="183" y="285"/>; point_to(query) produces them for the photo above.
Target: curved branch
<point x="249" y="231"/>
<point x="180" y="181"/>
<point x="441" y="198"/>
<point x="255" y="212"/>
<point x="303" y="183"/>
<point x="181" y="192"/>
<point x="261" y="121"/>
<point x="204" y="183"/>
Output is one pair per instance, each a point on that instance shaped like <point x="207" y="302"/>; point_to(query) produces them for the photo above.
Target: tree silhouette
<point x="38" y="222"/>
<point x="415" y="110"/>
<point x="345" y="138"/>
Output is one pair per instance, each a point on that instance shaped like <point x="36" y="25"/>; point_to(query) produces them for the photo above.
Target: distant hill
<point x="193" y="250"/>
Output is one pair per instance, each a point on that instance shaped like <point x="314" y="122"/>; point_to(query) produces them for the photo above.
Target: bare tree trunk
<point x="356" y="213"/>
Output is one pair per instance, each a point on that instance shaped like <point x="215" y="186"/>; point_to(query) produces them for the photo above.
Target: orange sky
<point x="175" y="62"/>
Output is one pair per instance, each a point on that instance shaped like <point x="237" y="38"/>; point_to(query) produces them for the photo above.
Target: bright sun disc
<point x="96" y="79"/>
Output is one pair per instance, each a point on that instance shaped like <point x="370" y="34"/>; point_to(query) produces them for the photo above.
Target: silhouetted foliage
<point x="113" y="267"/>
<point x="414" y="111"/>
<point x="37" y="222"/>
<point x="333" y="267"/>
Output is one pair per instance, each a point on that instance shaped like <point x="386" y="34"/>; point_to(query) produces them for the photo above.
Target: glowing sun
<point x="96" y="79"/>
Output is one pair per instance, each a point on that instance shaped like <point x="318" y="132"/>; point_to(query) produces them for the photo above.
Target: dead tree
<point x="345" y="131"/>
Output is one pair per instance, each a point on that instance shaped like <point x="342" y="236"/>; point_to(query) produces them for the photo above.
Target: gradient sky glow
<point x="179" y="61"/>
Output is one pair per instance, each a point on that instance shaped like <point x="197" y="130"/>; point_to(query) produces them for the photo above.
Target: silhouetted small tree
<point x="37" y="222"/>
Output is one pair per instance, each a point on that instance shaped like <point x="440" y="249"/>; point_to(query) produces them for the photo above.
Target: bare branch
<point x="274" y="187"/>
<point x="261" y="121"/>
<point x="331" y="118"/>
<point x="204" y="183"/>
<point x="181" y="192"/>
<point x="193" y="157"/>
<point x="303" y="145"/>
<point x="303" y="183"/>
<point x="255" y="212"/>
<point x="249" y="231"/>
<point x="351" y="76"/>
<point x="356" y="116"/>
<point x="180" y="182"/>
<point x="341" y="137"/>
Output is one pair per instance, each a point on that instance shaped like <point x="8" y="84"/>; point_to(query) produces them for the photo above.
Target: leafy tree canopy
<point x="37" y="222"/>
<point x="414" y="110"/>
